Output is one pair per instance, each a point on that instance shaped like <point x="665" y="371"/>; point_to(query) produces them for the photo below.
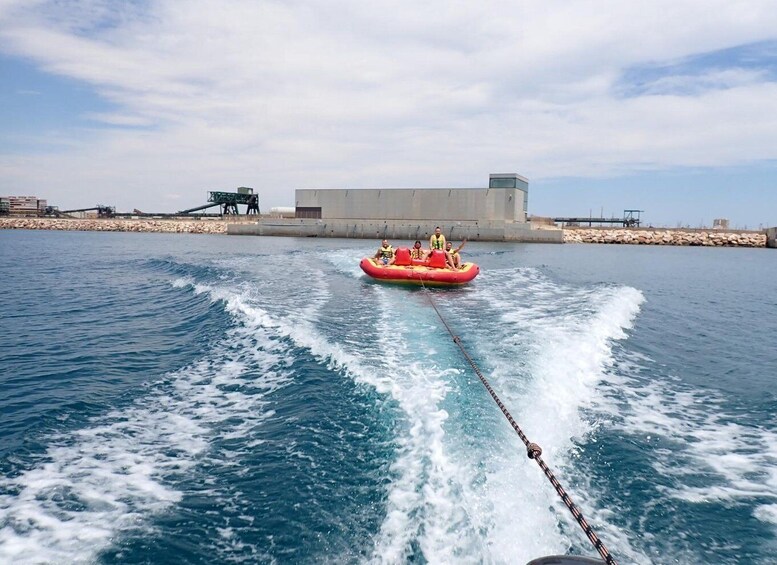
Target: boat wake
<point x="457" y="484"/>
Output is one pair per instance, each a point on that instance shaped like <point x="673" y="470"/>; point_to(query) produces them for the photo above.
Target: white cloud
<point x="279" y="95"/>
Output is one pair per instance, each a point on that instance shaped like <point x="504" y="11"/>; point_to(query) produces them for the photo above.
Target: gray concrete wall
<point x="414" y="204"/>
<point x="397" y="230"/>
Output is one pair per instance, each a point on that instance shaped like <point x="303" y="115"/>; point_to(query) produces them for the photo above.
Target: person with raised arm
<point x="453" y="256"/>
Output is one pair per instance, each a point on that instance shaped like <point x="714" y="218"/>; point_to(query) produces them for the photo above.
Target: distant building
<point x="720" y="224"/>
<point x="496" y="212"/>
<point x="505" y="200"/>
<point x="22" y="205"/>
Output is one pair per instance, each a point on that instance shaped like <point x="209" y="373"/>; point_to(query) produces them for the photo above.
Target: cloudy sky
<point x="665" y="106"/>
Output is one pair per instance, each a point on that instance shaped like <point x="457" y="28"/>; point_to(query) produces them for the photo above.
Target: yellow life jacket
<point x="387" y="252"/>
<point x="417" y="253"/>
<point x="437" y="242"/>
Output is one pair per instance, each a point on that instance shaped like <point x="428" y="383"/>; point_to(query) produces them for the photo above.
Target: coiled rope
<point x="533" y="450"/>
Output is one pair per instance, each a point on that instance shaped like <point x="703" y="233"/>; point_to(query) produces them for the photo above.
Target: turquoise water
<point x="213" y="399"/>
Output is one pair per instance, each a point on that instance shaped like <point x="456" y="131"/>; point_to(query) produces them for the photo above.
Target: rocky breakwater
<point x="641" y="236"/>
<point x="114" y="224"/>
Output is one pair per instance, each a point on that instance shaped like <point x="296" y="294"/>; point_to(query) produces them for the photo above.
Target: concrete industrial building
<point x="505" y="200"/>
<point x="494" y="213"/>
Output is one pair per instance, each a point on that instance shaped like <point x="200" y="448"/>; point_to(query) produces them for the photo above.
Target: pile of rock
<point x="131" y="225"/>
<point x="639" y="236"/>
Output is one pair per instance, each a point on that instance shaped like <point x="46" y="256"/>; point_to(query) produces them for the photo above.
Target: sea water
<point x="215" y="399"/>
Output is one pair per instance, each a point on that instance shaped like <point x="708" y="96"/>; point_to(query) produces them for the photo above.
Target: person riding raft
<point x="418" y="252"/>
<point x="385" y="253"/>
<point x="455" y="258"/>
<point x="437" y="241"/>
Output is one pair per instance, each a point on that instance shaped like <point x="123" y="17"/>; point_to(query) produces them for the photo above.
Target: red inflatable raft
<point x="431" y="272"/>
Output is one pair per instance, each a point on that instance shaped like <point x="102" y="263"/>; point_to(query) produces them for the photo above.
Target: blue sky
<point x="666" y="107"/>
<point x="699" y="72"/>
<point x="34" y="104"/>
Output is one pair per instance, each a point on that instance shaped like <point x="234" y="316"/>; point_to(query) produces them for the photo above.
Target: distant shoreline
<point x="219" y="226"/>
<point x="691" y="237"/>
<point x="144" y="225"/>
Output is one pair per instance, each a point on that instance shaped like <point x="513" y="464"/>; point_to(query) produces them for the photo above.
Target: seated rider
<point x="417" y="252"/>
<point x="454" y="258"/>
<point x="437" y="241"/>
<point x="385" y="253"/>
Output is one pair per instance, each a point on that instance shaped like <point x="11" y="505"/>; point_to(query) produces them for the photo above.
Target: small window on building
<point x="502" y="183"/>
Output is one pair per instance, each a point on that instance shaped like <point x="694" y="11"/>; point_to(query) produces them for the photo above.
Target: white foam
<point x="464" y="501"/>
<point x="343" y="260"/>
<point x="742" y="458"/>
<point x="423" y="501"/>
<point x="563" y="339"/>
<point x="182" y="282"/>
<point x="112" y="476"/>
<point x="106" y="479"/>
<point x="767" y="513"/>
<point x="694" y="435"/>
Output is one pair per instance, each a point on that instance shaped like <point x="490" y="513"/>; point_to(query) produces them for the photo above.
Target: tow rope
<point x="533" y="450"/>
